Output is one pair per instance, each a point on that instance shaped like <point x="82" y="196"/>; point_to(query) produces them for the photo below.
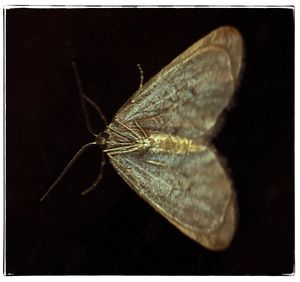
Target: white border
<point x="9" y="4"/>
<point x="111" y="3"/>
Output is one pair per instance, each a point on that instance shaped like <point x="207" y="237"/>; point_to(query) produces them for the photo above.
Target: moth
<point x="159" y="141"/>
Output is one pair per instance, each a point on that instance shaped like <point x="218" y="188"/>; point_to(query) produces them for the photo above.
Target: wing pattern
<point x="192" y="190"/>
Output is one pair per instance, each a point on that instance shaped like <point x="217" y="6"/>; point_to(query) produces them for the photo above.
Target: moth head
<point x="101" y="139"/>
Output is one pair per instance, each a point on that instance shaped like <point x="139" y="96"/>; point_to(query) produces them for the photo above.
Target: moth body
<point x="152" y="142"/>
<point x="159" y="141"/>
<point x="167" y="143"/>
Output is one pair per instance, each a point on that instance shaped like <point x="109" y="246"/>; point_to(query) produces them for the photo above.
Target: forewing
<point x="187" y="96"/>
<point x="192" y="191"/>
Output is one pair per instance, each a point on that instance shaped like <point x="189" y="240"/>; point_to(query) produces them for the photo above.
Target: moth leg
<point x="141" y="77"/>
<point x="129" y="129"/>
<point x="130" y="137"/>
<point x="96" y="107"/>
<point x="83" y="104"/>
<point x="141" y="129"/>
<point x="124" y="135"/>
<point x="114" y="143"/>
<point x="93" y="186"/>
<point x="124" y="151"/>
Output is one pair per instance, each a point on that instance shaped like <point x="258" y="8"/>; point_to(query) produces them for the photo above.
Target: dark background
<point x="111" y="230"/>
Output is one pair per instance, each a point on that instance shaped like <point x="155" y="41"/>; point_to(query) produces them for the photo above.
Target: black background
<point x="111" y="230"/>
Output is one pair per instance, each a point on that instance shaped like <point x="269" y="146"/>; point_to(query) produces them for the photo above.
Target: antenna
<point x="90" y="101"/>
<point x="83" y="98"/>
<point x="77" y="155"/>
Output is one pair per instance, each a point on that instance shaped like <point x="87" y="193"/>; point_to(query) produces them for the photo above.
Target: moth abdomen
<point x="168" y="143"/>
